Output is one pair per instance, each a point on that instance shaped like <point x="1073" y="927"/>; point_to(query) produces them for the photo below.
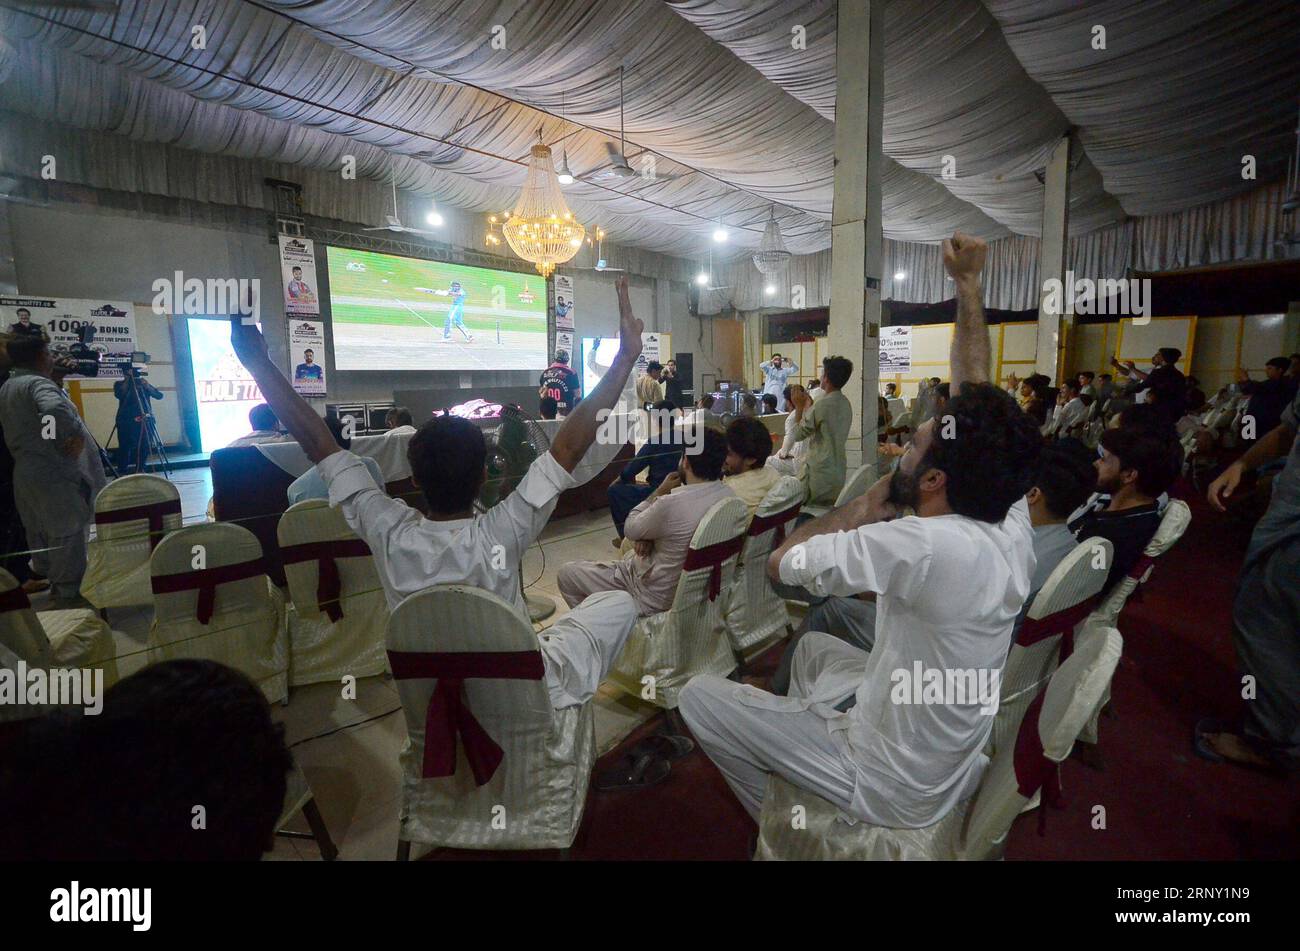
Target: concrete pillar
<point x="1052" y="326"/>
<point x="854" y="329"/>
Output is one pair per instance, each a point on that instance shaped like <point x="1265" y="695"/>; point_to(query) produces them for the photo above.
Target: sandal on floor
<point x="634" y="772"/>
<point x="1207" y="725"/>
<point x="35" y="585"/>
<point x="664" y="745"/>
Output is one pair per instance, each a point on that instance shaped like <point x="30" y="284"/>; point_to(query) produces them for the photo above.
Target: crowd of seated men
<point x="935" y="564"/>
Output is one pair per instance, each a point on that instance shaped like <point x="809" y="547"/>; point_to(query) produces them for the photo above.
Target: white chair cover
<point x="1172" y="525"/>
<point x="1033" y="658"/>
<point x="755" y="612"/>
<point x="859" y="481"/>
<point x="690" y="637"/>
<point x="132" y="514"/>
<point x="246" y="626"/>
<point x="320" y="648"/>
<point x="798" y="825"/>
<point x="70" y="638"/>
<point x="534" y="798"/>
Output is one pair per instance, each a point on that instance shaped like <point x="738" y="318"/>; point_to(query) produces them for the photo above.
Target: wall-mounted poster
<point x="895" y="350"/>
<point x="564" y="302"/>
<point x="298" y="276"/>
<point x="649" y="350"/>
<point x="307" y="356"/>
<point x="61" y="318"/>
<point x="564" y="341"/>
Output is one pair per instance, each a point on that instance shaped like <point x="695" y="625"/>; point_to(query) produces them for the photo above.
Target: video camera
<point x="84" y="360"/>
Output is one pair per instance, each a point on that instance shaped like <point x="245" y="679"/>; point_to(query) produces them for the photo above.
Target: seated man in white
<point x="310" y="485"/>
<point x="399" y="420"/>
<point x="949" y="582"/>
<point x="1065" y="479"/>
<point x="790" y="456"/>
<point x="453" y="545"/>
<point x="266" y="428"/>
<point x="1071" y="414"/>
<point x="661" y="528"/>
<point x="748" y="446"/>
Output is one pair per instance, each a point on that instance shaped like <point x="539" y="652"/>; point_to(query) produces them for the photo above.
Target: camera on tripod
<point x="81" y="358"/>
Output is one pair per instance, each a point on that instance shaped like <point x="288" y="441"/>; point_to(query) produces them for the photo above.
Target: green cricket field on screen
<point x="398" y="313"/>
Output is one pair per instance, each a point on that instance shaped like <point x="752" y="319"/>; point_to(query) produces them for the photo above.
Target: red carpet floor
<point x="1161" y="802"/>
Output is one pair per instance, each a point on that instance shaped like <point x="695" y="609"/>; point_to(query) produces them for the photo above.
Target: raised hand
<point x="629" y="327"/>
<point x="963" y="256"/>
<point x="247" y="340"/>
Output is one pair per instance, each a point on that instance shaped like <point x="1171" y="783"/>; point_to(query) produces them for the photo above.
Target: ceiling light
<point x="770" y="289"/>
<point x="900" y="275"/>
<point x="562" y="174"/>
<point x="434" y="219"/>
<point x="720" y="234"/>
<point x="702" y="279"/>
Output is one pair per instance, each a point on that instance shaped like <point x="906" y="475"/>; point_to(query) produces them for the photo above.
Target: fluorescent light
<point x="702" y="279"/>
<point x="564" y="178"/>
<point x="900" y="275"/>
<point x="562" y="174"/>
<point x="434" y="219"/>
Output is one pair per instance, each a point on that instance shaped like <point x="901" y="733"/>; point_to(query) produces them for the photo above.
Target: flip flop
<point x="634" y="772"/>
<point x="666" y="746"/>
<point x="1202" y="747"/>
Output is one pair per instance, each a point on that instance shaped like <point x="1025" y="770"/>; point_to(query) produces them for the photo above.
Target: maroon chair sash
<point x="15" y="600"/>
<point x="206" y="580"/>
<point x="761" y="523"/>
<point x="329" y="585"/>
<point x="1062" y="622"/>
<point x="154" y="512"/>
<point x="1033" y="770"/>
<point x="714" y="557"/>
<point x="448" y="717"/>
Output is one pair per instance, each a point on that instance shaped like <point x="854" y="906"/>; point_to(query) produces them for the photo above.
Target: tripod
<point x="148" y="442"/>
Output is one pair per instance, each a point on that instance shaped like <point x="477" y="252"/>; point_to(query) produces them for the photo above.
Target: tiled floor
<point x="348" y="749"/>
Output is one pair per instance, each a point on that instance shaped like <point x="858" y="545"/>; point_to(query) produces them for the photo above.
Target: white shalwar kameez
<point x="948" y="591"/>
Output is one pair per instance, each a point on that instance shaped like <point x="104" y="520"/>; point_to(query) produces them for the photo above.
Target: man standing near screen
<point x="455" y="313"/>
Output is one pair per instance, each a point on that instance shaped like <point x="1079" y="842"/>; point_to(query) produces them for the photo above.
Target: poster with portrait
<point x="298" y="276"/>
<point x="564" y="341"/>
<point x="61" y="318"/>
<point x="564" y="307"/>
<point x="895" y="350"/>
<point x="307" y="356"/>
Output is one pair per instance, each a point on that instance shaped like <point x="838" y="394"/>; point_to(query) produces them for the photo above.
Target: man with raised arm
<point x="453" y="544"/>
<point x="949" y="581"/>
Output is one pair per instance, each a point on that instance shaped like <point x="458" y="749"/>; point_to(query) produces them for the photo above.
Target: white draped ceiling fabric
<point x="731" y="117"/>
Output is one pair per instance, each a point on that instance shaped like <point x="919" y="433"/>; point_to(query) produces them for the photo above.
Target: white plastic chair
<point x="859" y="481"/>
<point x="754" y="611"/>
<point x="1172" y="526"/>
<point x="72" y="638"/>
<point x="213" y="600"/>
<point x="1064" y="599"/>
<point x="665" y="650"/>
<point x="132" y="514"/>
<point x="976" y="829"/>
<point x="503" y="769"/>
<point x="338" y="613"/>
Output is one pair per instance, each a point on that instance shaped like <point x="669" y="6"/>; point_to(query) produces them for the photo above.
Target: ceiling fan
<point x="600" y="264"/>
<point x="618" y="165"/>
<point x="394" y="222"/>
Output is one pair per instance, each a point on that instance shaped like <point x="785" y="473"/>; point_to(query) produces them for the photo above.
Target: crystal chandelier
<point x="771" y="255"/>
<point x="541" y="229"/>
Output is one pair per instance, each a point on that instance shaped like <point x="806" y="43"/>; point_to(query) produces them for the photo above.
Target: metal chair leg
<point x="311" y="812"/>
<point x="403" y="850"/>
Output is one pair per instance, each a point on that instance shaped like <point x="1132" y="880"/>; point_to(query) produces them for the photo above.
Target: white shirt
<point x="258" y="436"/>
<point x="948" y="590"/>
<point x="1068" y="417"/>
<point x="413" y="553"/>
